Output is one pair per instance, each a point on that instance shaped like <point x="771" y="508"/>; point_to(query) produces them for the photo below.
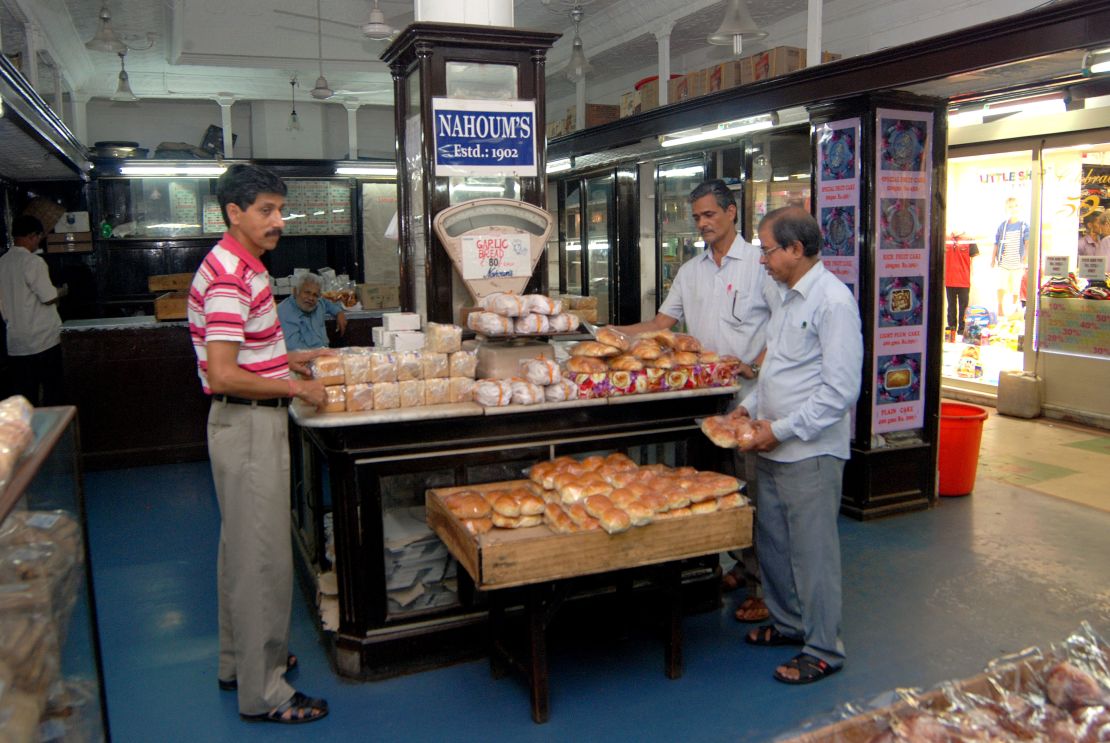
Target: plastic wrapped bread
<point x="28" y="636"/>
<point x="460" y="389"/>
<point x="410" y="366"/>
<point x="360" y="397"/>
<point x="463" y="364"/>
<point x="55" y="527"/>
<point x="564" y="322"/>
<point x="561" y="391"/>
<point x="531" y="324"/>
<point x="526" y="393"/>
<point x="504" y="304"/>
<point x="387" y="396"/>
<point x="541" y="304"/>
<point x="411" y="393"/>
<point x="437" y="391"/>
<point x="383" y="367"/>
<point x="337" y="399"/>
<point x="19" y="715"/>
<point x="540" y="371"/>
<point x="442" y="338"/>
<point x="493" y="393"/>
<point x="16" y="407"/>
<point x="327" y="369"/>
<point x="356" y="368"/>
<point x="435" y="365"/>
<point x="489" y="323"/>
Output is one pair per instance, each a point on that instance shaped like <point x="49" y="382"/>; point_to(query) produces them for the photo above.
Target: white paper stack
<point x="419" y="571"/>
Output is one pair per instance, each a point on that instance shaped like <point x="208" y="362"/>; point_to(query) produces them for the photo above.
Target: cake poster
<point x="838" y="198"/>
<point x="903" y="177"/>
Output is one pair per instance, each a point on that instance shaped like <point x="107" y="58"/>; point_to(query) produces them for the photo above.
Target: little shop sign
<point x="478" y="137"/>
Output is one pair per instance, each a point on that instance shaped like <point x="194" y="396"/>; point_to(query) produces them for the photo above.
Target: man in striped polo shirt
<point x="243" y="365"/>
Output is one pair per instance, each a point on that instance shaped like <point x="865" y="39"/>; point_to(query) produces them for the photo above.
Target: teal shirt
<point x="306" y="329"/>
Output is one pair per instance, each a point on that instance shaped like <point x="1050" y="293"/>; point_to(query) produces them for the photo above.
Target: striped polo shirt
<point x="230" y="300"/>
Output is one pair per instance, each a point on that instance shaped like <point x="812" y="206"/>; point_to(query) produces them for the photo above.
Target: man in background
<point x="958" y="252"/>
<point x="29" y="303"/>
<point x="304" y="313"/>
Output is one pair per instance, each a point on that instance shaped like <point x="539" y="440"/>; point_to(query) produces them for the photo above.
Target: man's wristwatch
<point x="755" y="369"/>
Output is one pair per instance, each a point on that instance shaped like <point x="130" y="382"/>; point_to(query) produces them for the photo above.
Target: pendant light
<point x="105" y="39"/>
<point x="294" y="124"/>
<point x="376" y="28"/>
<point x="578" y="65"/>
<point x="123" y="89"/>
<point x="736" y="26"/>
<point x="321" y="90"/>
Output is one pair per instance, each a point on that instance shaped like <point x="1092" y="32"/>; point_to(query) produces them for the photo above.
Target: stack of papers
<point x="420" y="574"/>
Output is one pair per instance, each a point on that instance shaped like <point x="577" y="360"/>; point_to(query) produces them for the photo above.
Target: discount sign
<point x="496" y="256"/>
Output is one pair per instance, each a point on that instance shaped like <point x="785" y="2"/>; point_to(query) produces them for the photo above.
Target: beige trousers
<point x="249" y="450"/>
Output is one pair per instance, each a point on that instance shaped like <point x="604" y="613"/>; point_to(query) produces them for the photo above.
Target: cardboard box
<point x="649" y="95"/>
<point x="401" y="321"/>
<point x="690" y="85"/>
<point x="69" y="242"/>
<point x="778" y="61"/>
<point x="170" y="282"/>
<point x="405" y="340"/>
<point x="630" y="104"/>
<point x="723" y="76"/>
<point x="596" y="115"/>
<point x="379" y="296"/>
<point x="73" y="222"/>
<point x="171" y="306"/>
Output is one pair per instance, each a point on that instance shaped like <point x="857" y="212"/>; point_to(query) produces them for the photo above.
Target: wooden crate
<point x="170" y="282"/>
<point x="502" y="558"/>
<point x="171" y="306"/>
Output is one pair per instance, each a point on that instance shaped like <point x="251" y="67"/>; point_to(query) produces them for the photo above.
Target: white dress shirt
<point x="810" y="377"/>
<point x="33" y="325"/>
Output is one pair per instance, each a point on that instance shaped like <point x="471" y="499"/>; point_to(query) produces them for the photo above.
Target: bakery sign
<point x="480" y="137"/>
<point x="495" y="256"/>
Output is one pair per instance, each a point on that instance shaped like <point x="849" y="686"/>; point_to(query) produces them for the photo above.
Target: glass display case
<point x="598" y="239"/>
<point x="677" y="239"/>
<point x="51" y="678"/>
<point x="779" y="176"/>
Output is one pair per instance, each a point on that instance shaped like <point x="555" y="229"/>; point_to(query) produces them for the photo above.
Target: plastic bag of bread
<point x="527" y="393"/>
<point x="586" y="365"/>
<point x="728" y="432"/>
<point x="29" y="643"/>
<point x="442" y="338"/>
<point x="463" y="364"/>
<point x="489" y="323"/>
<point x="493" y="393"/>
<point x="356" y="368"/>
<point x="683" y="342"/>
<point x="56" y="527"/>
<point x="383" y="367"/>
<point x="561" y="391"/>
<point x="612" y="337"/>
<point x="327" y="369"/>
<point x="593" y="349"/>
<point x="437" y="391"/>
<point x="460" y="389"/>
<point x="360" y="397"/>
<point x="435" y="365"/>
<point x="411" y="393"/>
<point x="541" y="304"/>
<point x="564" y="322"/>
<point x="387" y="396"/>
<point x="625" y="362"/>
<point x="646" y="348"/>
<point x="577" y="302"/>
<point x="410" y="366"/>
<point x="540" y="371"/>
<point x="531" y="324"/>
<point x="506" y="305"/>
<point x="336" y="399"/>
<point x="16" y="407"/>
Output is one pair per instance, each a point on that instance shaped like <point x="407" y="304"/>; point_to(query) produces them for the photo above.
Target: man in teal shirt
<point x="302" y="315"/>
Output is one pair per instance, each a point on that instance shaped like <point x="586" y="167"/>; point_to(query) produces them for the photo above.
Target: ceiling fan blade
<point x="313" y="18"/>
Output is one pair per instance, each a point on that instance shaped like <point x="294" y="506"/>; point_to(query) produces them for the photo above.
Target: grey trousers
<point x="799" y="550"/>
<point x="249" y="450"/>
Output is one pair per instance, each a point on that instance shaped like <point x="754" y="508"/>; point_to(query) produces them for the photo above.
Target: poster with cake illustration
<point x="838" y="198"/>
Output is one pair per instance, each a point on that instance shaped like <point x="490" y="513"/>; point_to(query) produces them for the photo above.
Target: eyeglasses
<point x="767" y="251"/>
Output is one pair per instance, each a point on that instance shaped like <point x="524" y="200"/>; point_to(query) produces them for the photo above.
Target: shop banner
<point x="903" y="163"/>
<point x="838" y="179"/>
<point x="496" y="256"/>
<point x="1076" y="326"/>
<point x="480" y="137"/>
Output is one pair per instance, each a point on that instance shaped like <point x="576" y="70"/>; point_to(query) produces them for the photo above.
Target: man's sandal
<point x="732" y="579"/>
<point x="769" y="636"/>
<point x="752" y="609"/>
<point x="298" y="709"/>
<point x="810" y="668"/>
<point x="233" y="684"/>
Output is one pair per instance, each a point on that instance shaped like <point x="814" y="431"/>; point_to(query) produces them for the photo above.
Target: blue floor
<point x="927" y="597"/>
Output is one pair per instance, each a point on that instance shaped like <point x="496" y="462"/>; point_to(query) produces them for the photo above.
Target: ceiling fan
<point x="375" y="28"/>
<point x="321" y="91"/>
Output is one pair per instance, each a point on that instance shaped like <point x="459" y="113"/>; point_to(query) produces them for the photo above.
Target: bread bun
<point x="708" y="357"/>
<point x="596" y="504"/>
<point x="592" y="463"/>
<point x="557" y="519"/>
<point x="596" y="487"/>
<point x="615" y="338"/>
<point x="705" y="506"/>
<point x="506" y="505"/>
<point x="654" y="501"/>
<point x="664" y="361"/>
<point x="618" y="478"/>
<point x="586" y="365"/>
<point x="720" y="430"/>
<point x="716" y="484"/>
<point x="593" y="349"/>
<point x="588" y="524"/>
<point x="526" y="522"/>
<point x="664" y="338"/>
<point x="538" y="471"/>
<point x="626" y="362"/>
<point x="639" y="513"/>
<point x="685" y="358"/>
<point x="477" y="526"/>
<point x="578" y="513"/>
<point x="531" y="505"/>
<point x="505" y="522"/>
<point x="679" y="512"/>
<point x="615" y="521"/>
<point x="646" y="349"/>
<point x="677" y="498"/>
<point x="732" y="500"/>
<point x="622" y="497"/>
<point x="467" y="504"/>
<point x="683" y="342"/>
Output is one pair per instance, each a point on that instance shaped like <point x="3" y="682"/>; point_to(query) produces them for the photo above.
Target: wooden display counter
<point x="368" y="472"/>
<point x="542" y="559"/>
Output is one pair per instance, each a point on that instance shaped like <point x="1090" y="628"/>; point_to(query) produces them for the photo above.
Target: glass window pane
<point x="678" y="240"/>
<point x="599" y="199"/>
<point x="573" y="226"/>
<point x="485" y="81"/>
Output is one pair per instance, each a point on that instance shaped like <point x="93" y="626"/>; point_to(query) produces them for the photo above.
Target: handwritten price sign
<point x="496" y="256"/>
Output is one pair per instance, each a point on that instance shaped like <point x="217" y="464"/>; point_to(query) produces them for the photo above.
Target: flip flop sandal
<point x="233" y="684"/>
<point x="753" y="609"/>
<point x="768" y="635"/>
<point x="304" y="709"/>
<point x="809" y="667"/>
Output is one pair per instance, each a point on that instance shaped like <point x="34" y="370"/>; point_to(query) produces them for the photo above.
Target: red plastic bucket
<point x="961" y="429"/>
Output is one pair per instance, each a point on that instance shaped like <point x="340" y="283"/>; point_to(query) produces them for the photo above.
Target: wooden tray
<point x="502" y="558"/>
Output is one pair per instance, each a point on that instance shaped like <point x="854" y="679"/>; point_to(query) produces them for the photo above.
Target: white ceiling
<point x="249" y="50"/>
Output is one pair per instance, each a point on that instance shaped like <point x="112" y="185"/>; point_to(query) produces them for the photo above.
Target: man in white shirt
<point x="28" y="302"/>
<point x="723" y="296"/>
<point x="800" y="408"/>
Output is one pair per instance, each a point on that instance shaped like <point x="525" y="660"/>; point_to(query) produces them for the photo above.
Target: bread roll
<point x="526" y="522"/>
<point x="578" y="513"/>
<point x="721" y="430"/>
<point x="615" y="521"/>
<point x="531" y="505"/>
<point x="664" y="338"/>
<point x="625" y="362"/>
<point x="708" y="357"/>
<point x="505" y="522"/>
<point x="592" y="463"/>
<point x="677" y="498"/>
<point x="645" y="348"/>
<point x="593" y="349"/>
<point x="732" y="500"/>
<point x="617" y="477"/>
<point x="683" y="342"/>
<point x="640" y="514"/>
<point x="467" y="504"/>
<point x="477" y="526"/>
<point x="685" y="358"/>
<point x="539" y="470"/>
<point x="654" y="501"/>
<point x="596" y="504"/>
<point x="679" y="512"/>
<point x="588" y="524"/>
<point x="716" y="483"/>
<point x="586" y="365"/>
<point x="663" y="361"/>
<point x="556" y="519"/>
<point x="705" y="506"/>
<point x="615" y="338"/>
<point x="623" y="497"/>
<point x="506" y="505"/>
<point x="685" y="471"/>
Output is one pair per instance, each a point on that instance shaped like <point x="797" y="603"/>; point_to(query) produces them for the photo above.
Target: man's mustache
<point x="276" y="232"/>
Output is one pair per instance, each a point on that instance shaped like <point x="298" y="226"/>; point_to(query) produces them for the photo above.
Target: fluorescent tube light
<point x="366" y="170"/>
<point x="729" y="129"/>
<point x="558" y="166"/>
<point x="151" y="170"/>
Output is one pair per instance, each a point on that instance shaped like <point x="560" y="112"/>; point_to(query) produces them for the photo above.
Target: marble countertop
<point x="101" y="323"/>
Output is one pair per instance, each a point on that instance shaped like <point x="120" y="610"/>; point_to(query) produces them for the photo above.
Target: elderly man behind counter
<point x="303" y="313"/>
